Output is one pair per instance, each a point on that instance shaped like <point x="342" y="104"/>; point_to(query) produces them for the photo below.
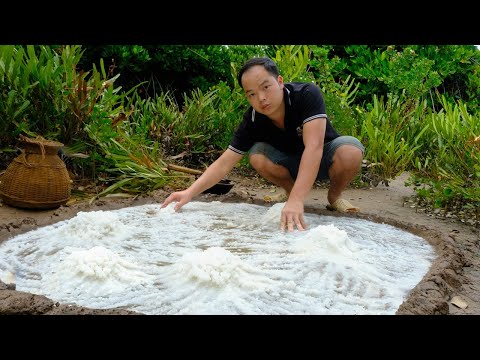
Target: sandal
<point x="343" y="206"/>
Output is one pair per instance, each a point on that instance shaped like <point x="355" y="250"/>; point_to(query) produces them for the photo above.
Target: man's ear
<point x="280" y="80"/>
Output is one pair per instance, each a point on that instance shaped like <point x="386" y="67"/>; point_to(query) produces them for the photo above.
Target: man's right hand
<point x="182" y="197"/>
<point x="210" y="177"/>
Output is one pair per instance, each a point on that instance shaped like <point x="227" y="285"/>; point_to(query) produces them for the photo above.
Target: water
<point x="217" y="258"/>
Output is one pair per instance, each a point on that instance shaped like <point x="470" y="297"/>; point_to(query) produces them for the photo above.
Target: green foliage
<point x="449" y="161"/>
<point x="194" y="125"/>
<point x="416" y="75"/>
<point x="325" y="66"/>
<point x="229" y="106"/>
<point x="198" y="132"/>
<point x="416" y="70"/>
<point x="177" y="69"/>
<point x="345" y="120"/>
<point x="293" y="62"/>
<point x="29" y="79"/>
<point x="366" y="65"/>
<point x="458" y="67"/>
<point x="189" y="105"/>
<point x="388" y="137"/>
<point x="134" y="164"/>
<point x="44" y="94"/>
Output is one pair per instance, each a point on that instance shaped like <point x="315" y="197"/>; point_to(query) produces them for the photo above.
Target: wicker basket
<point x="37" y="178"/>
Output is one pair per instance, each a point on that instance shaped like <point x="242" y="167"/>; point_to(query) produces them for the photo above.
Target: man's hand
<point x="292" y="215"/>
<point x="182" y="197"/>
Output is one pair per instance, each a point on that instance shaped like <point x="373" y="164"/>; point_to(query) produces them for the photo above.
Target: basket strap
<point x="38" y="140"/>
<point x="22" y="159"/>
<point x="42" y="149"/>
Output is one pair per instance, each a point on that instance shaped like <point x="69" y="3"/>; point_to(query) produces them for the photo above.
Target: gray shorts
<point x="292" y="161"/>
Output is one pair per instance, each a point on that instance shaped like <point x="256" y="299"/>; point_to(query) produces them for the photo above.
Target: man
<point x="290" y="142"/>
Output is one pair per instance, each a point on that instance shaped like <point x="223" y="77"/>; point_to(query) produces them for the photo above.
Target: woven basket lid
<point x="40" y="145"/>
<point x="40" y="140"/>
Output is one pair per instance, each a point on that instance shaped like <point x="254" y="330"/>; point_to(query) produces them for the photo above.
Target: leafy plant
<point x="389" y="144"/>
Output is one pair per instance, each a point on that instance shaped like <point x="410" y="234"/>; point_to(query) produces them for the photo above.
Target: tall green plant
<point x="45" y="94"/>
<point x="390" y="146"/>
<point x="293" y="62"/>
<point x="450" y="161"/>
<point x="132" y="163"/>
<point x="29" y="77"/>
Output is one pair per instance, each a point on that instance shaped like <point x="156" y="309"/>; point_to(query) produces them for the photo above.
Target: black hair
<point x="266" y="62"/>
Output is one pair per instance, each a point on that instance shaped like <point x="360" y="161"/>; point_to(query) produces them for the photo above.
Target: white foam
<point x="218" y="258"/>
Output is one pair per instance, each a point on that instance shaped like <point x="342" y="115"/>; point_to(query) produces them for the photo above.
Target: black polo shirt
<point x="303" y="103"/>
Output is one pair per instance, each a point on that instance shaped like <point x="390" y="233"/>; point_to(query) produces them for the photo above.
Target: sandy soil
<point x="452" y="282"/>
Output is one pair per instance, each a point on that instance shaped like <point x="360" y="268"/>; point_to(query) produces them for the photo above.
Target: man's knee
<point x="260" y="155"/>
<point x="348" y="156"/>
<point x="258" y="161"/>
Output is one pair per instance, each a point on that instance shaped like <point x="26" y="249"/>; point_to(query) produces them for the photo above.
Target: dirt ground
<point x="452" y="285"/>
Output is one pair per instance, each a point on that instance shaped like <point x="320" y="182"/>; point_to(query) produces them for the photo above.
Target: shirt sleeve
<point x="313" y="104"/>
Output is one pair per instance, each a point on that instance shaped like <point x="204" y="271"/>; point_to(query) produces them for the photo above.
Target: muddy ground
<point x="452" y="285"/>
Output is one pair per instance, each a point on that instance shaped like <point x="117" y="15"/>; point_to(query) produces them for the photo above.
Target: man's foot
<point x="280" y="197"/>
<point x="343" y="206"/>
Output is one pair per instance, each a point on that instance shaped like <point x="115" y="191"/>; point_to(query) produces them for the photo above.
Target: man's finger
<point x="177" y="206"/>
<point x="168" y="200"/>
<point x="283" y="222"/>
<point x="290" y="224"/>
<point x="303" y="224"/>
<point x="300" y="226"/>
<point x="165" y="202"/>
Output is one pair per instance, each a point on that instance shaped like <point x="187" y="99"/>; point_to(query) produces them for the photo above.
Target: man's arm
<point x="313" y="135"/>
<point x="214" y="173"/>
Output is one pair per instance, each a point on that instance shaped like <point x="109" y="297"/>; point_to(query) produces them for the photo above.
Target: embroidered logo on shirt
<point x="300" y="131"/>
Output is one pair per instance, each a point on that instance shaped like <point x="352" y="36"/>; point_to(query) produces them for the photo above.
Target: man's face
<point x="263" y="91"/>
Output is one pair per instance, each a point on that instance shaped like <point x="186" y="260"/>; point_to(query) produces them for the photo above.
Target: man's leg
<point x="341" y="161"/>
<point x="273" y="165"/>
<point x="276" y="174"/>
<point x="347" y="162"/>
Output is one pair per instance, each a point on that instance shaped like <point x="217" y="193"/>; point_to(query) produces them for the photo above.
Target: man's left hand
<point x="292" y="216"/>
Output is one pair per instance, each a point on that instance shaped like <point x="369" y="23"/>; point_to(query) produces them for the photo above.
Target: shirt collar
<point x="286" y="94"/>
